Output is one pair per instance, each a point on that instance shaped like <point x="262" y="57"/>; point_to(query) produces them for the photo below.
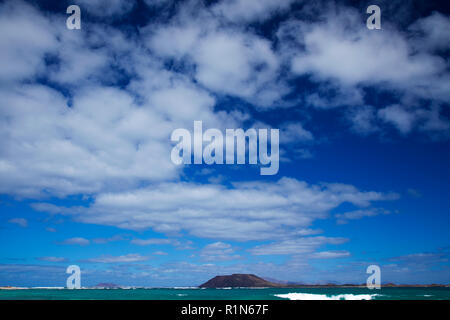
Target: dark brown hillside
<point x="238" y="280"/>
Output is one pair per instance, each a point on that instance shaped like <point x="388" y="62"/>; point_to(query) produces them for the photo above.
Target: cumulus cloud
<point x="339" y="48"/>
<point x="46" y="152"/>
<point x="52" y="259"/>
<point x="153" y="241"/>
<point x="363" y="119"/>
<point x="428" y="32"/>
<point x="218" y="251"/>
<point x="47" y="149"/>
<point x="298" y="246"/>
<point x="250" y="10"/>
<point x="131" y="257"/>
<point x="225" y="60"/>
<point x="342" y="218"/>
<point x="248" y="211"/>
<point x="110" y="239"/>
<point x="294" y="132"/>
<point x="330" y="254"/>
<point x="399" y="117"/>
<point x="76" y="241"/>
<point x="19" y="221"/>
<point x="421" y="261"/>
<point x="27" y="35"/>
<point x="125" y="133"/>
<point x="344" y="58"/>
<point x="160" y="253"/>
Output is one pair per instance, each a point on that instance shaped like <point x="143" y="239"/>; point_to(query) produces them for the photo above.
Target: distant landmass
<point x="253" y="281"/>
<point x="239" y="280"/>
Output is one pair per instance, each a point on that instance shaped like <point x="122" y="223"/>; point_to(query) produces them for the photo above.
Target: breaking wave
<point x="311" y="296"/>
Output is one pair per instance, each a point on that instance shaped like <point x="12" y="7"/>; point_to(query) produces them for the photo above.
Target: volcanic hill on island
<point x="251" y="281"/>
<point x="238" y="280"/>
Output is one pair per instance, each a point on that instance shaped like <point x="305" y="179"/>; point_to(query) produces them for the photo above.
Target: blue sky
<point x="86" y="117"/>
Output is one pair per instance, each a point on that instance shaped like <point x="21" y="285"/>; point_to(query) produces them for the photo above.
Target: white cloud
<point x="52" y="259"/>
<point x="342" y="49"/>
<point x="125" y="132"/>
<point x="399" y="117"/>
<point x="152" y="241"/>
<point x="47" y="148"/>
<point x="296" y="246"/>
<point x="330" y="254"/>
<point x="344" y="58"/>
<point x="131" y="257"/>
<point x="363" y="119"/>
<point x="110" y="239"/>
<point x="248" y="211"/>
<point x="294" y="132"/>
<point x="26" y="36"/>
<point x="226" y="60"/>
<point x="430" y="35"/>
<point x="218" y="251"/>
<point x="76" y="241"/>
<point x="160" y="253"/>
<point x="155" y="3"/>
<point x="343" y="218"/>
<point x="327" y="97"/>
<point x="19" y="221"/>
<point x="250" y="10"/>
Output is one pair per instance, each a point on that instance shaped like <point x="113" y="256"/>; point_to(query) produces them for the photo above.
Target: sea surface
<point x="436" y="293"/>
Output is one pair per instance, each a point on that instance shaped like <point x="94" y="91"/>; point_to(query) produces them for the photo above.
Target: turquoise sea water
<point x="230" y="294"/>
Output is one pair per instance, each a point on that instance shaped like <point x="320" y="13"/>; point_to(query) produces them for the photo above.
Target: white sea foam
<point x="311" y="296"/>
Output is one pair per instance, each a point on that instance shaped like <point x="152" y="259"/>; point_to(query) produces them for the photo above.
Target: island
<point x="242" y="280"/>
<point x="239" y="280"/>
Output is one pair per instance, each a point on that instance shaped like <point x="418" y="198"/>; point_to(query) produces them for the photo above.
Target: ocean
<point x="435" y="293"/>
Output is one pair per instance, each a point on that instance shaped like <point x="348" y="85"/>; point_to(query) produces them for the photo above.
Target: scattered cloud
<point x="342" y="218"/>
<point x="218" y="251"/>
<point x="247" y="211"/>
<point x="160" y="253"/>
<point x="132" y="257"/>
<point x="330" y="254"/>
<point x="414" y="193"/>
<point x="250" y="10"/>
<point x="52" y="259"/>
<point x="294" y="132"/>
<point x="19" y="221"/>
<point x="363" y="120"/>
<point x="76" y="241"/>
<point x="297" y="246"/>
<point x="153" y="241"/>
<point x="398" y="117"/>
